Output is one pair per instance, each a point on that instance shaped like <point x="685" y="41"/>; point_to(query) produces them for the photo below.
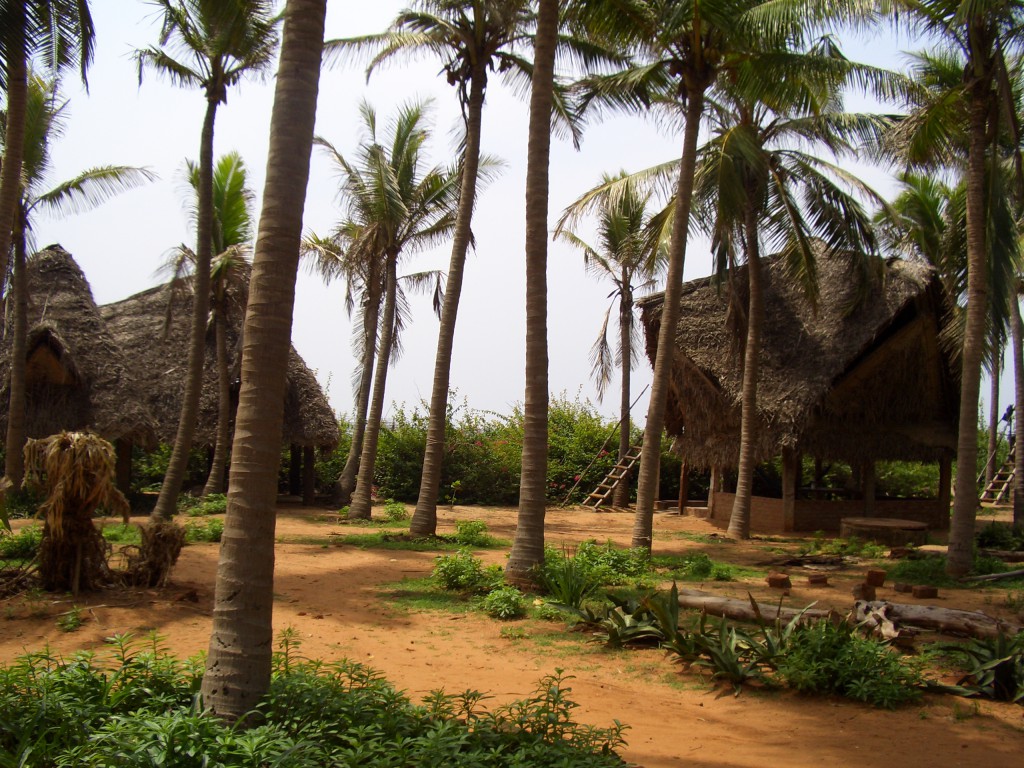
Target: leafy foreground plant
<point x="996" y="667"/>
<point x="137" y="708"/>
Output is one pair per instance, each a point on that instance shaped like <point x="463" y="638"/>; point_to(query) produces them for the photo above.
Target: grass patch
<point x="22" y="545"/>
<point x="424" y="595"/>
<point x="697" y="538"/>
<point x="932" y="571"/>
<point x="122" y="534"/>
<point x="698" y="566"/>
<point x="851" y="547"/>
<point x="405" y="541"/>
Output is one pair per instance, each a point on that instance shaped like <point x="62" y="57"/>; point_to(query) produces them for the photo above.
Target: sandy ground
<point x="333" y="597"/>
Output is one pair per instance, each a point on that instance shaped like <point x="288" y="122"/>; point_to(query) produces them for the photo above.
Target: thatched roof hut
<point x="77" y="376"/>
<point x="863" y="376"/>
<point x="153" y="328"/>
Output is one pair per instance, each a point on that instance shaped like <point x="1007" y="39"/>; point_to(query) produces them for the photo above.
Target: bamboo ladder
<point x="615" y="474"/>
<point x="1002" y="481"/>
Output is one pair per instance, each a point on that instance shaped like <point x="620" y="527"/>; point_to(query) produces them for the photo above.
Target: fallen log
<point x="949" y="620"/>
<point x="995" y="576"/>
<point x="1007" y="556"/>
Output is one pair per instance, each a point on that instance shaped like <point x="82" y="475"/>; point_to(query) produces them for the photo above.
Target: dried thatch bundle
<point x="151" y="562"/>
<point x="76" y="471"/>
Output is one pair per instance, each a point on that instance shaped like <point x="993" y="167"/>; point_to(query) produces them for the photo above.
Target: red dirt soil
<point x="333" y="597"/>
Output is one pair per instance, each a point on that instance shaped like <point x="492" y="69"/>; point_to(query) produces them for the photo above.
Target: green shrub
<point x="505" y="603"/>
<point x="202" y="506"/>
<point x="138" y="709"/>
<point x="568" y="580"/>
<point x="995" y="667"/>
<point x="395" y="511"/>
<point x="122" y="534"/>
<point x="22" y="545"/>
<point x="822" y="657"/>
<point x="932" y="570"/>
<point x="472" y="533"/>
<point x="1000" y="536"/>
<point x="22" y="504"/>
<point x="697" y="566"/>
<point x="461" y="571"/>
<point x="851" y="547"/>
<point x="204" y="530"/>
<point x="614" y="566"/>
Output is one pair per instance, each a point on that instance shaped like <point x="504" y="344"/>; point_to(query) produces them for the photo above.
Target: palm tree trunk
<point x="238" y="663"/>
<point x="14" y="463"/>
<point x="650" y="460"/>
<point x="14" y="137"/>
<point x="215" y="480"/>
<point x="965" y="501"/>
<point x="167" y="502"/>
<point x="1017" y="337"/>
<point x="424" y="518"/>
<point x="528" y="544"/>
<point x="993" y="419"/>
<point x="620" y="497"/>
<point x="739" y="521"/>
<point x="347" y="480"/>
<point x="361" y="500"/>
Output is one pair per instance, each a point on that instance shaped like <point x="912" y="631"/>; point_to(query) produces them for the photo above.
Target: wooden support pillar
<point x="308" y="475"/>
<point x="684" y="486"/>
<point x="123" y="464"/>
<point x="945" y="489"/>
<point x="819" y="472"/>
<point x="295" y="472"/>
<point x="868" y="487"/>
<point x="790" y="473"/>
<point x="714" y="485"/>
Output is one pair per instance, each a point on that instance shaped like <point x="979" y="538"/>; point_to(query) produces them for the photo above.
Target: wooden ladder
<point x="1002" y="481"/>
<point x="615" y="474"/>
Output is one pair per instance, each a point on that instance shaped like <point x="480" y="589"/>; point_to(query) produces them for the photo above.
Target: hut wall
<point x="767" y="515"/>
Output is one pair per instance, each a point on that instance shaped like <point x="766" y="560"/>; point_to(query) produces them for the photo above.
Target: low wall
<point x="766" y="514"/>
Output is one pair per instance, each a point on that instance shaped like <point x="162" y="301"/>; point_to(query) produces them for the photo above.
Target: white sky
<point x="121" y="244"/>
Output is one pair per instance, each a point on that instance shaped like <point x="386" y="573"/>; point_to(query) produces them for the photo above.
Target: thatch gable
<point x="847" y="380"/>
<point x="77" y="377"/>
<point x="153" y="327"/>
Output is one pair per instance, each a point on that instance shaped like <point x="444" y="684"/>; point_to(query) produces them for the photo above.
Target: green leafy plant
<point x="851" y="547"/>
<point x="209" y="530"/>
<point x="395" y="511"/>
<point x="698" y="566"/>
<point x="461" y="571"/>
<point x="997" y="535"/>
<point x="567" y="579"/>
<point x="22" y="545"/>
<point x="203" y="506"/>
<point x="996" y="667"/>
<point x="472" y="533"/>
<point x="122" y="534"/>
<point x="70" y="621"/>
<point x="505" y="603"/>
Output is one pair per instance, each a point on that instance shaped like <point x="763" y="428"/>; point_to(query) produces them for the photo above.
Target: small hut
<point x="77" y="376"/>
<point x="153" y="328"/>
<point x="863" y="376"/>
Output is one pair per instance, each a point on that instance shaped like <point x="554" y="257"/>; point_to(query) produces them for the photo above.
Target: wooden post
<point x="713" y="483"/>
<point x="684" y="486"/>
<point x="819" y="472"/>
<point x="945" y="490"/>
<point x="868" y="486"/>
<point x="123" y="464"/>
<point x="308" y="475"/>
<point x="295" y="471"/>
<point x="789" y="481"/>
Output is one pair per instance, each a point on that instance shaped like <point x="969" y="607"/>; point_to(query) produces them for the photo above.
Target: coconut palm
<point x="983" y="34"/>
<point x="57" y="34"/>
<point x="628" y="258"/>
<point x="44" y="122"/>
<point x="239" y="660"/>
<point x="229" y="277"/>
<point x="211" y="45"/>
<point x="473" y="39"/>
<point x="759" y="187"/>
<point x="962" y="125"/>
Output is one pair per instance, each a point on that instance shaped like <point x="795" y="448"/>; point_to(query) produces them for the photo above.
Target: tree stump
<point x="890" y="532"/>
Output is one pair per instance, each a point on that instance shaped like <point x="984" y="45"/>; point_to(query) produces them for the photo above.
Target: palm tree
<point x="473" y="38"/>
<point x="981" y="34"/>
<point x="239" y="660"/>
<point x="528" y="545"/>
<point x="394" y="207"/>
<point x="681" y="48"/>
<point x="212" y="45"/>
<point x="631" y="261"/>
<point x="60" y="34"/>
<point x="757" y="187"/>
<point x="44" y="122"/>
<point x="229" y="278"/>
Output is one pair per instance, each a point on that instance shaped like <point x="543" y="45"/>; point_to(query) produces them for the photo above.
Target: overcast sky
<point x="121" y="244"/>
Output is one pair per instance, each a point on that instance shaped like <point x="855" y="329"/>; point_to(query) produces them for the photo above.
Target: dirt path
<point x="333" y="598"/>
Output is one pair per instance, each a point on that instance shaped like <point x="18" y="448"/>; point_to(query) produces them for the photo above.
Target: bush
<point x="395" y="511"/>
<point x="461" y="571"/>
<point x="1001" y="536"/>
<point x="137" y="709"/>
<point x="473" y="533"/>
<point x="932" y="570"/>
<point x="699" y="567"/>
<point x="505" y="603"/>
<point x="203" y="530"/>
<point x="614" y="566"/>
<point x="201" y="506"/>
<point x="22" y="504"/>
<point x="568" y="580"/>
<point x="22" y="545"/>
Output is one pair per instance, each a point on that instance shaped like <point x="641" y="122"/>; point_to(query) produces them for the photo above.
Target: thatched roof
<point x="871" y="382"/>
<point x="77" y="376"/>
<point x="159" y="349"/>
